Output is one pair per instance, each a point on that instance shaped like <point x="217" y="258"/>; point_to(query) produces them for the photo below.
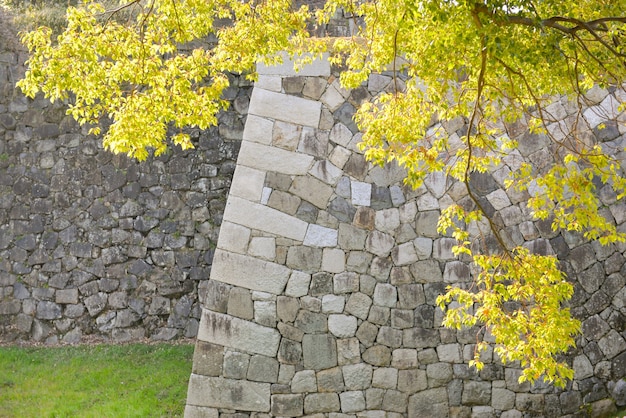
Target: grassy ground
<point x="135" y="380"/>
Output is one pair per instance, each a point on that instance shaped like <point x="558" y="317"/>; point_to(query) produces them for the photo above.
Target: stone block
<point x="318" y="68"/>
<point x="236" y="365"/>
<point x="298" y="284"/>
<point x="429" y="403"/>
<point x="379" y="243"/>
<point x="304" y="381"/>
<point x="325" y="170"/>
<point x="357" y="376"/>
<point x="476" y="393"/>
<point x="352" y="401"/>
<point x="265" y="158"/>
<point x="395" y="401"/>
<point x="312" y="190"/>
<point x="404" y="254"/>
<point x="240" y="303"/>
<point x="361" y="194"/>
<point x="385" y="378"/>
<point x="333" y="304"/>
<point x="342" y="326"/>
<point x="249" y="272"/>
<point x="351" y="237"/>
<point x="287" y="405"/>
<point x="612" y="344"/>
<point x="263" y="369"/>
<point x="318" y="403"/>
<point x="412" y="380"/>
<point x="233" y="237"/>
<point x="404" y="358"/>
<point x="450" y="353"/>
<point x="385" y="295"/>
<point x="283" y="107"/>
<point x="502" y="399"/>
<point x="247" y="183"/>
<point x="359" y="305"/>
<point x="290" y="351"/>
<point x="333" y="260"/>
<point x="218" y="392"/>
<point x="265" y="219"/>
<point x="319" y="351"/>
<point x="287" y="308"/>
<point x="207" y="359"/>
<point x="238" y="334"/>
<point x="426" y="271"/>
<point x="258" y="129"/>
<point x="306" y="259"/>
<point x="319" y="236"/>
<point x="330" y="380"/>
<point x="66" y="296"/>
<point x="348" y="351"/>
<point x="192" y="411"/>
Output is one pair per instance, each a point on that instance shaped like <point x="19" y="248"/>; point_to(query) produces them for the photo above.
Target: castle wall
<point x="323" y="287"/>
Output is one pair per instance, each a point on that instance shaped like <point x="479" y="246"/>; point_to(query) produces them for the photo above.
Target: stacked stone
<point x="322" y="293"/>
<point x="93" y="244"/>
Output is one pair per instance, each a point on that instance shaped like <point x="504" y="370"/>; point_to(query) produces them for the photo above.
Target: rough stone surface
<point x="322" y="295"/>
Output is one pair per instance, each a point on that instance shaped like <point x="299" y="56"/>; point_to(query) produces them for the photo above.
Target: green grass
<point x="134" y="380"/>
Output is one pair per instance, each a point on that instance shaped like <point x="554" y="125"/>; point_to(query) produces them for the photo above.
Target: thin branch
<point x="475" y="111"/>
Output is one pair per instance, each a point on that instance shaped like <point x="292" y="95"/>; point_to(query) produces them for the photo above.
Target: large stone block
<point x="319" y="351"/>
<point x="284" y="107"/>
<point x="267" y="158"/>
<point x="266" y="219"/>
<point x="249" y="272"/>
<point x="236" y="333"/>
<point x="217" y="392"/>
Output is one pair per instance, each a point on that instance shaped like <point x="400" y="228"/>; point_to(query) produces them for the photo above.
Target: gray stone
<point x="304" y="381"/>
<point x="218" y="392"/>
<point x="330" y="380"/>
<point x="207" y="359"/>
<point x="385" y="295"/>
<point x="263" y="369"/>
<point x="287" y="405"/>
<point x="321" y="403"/>
<point x="352" y="401"/>
<point x="342" y="326"/>
<point x="239" y="334"/>
<point x="429" y="403"/>
<point x="476" y="393"/>
<point x="357" y="376"/>
<point x="619" y="392"/>
<point x="319" y="351"/>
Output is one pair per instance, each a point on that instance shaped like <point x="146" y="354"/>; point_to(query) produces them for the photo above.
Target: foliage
<point x="135" y="380"/>
<point x="489" y="64"/>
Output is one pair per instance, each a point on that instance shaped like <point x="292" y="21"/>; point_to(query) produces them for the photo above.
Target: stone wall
<point x="322" y="293"/>
<point x="96" y="245"/>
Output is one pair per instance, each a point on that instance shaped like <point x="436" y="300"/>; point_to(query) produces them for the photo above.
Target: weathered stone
<point x="342" y="326"/>
<point x="218" y="392"/>
<point x="357" y="376"/>
<point x="239" y="334"/>
<point x="431" y="402"/>
<point x="378" y="355"/>
<point x="263" y="369"/>
<point x="248" y="272"/>
<point x="330" y="380"/>
<point x="304" y="381"/>
<point x="287" y="405"/>
<point x="240" y="303"/>
<point x="321" y="403"/>
<point x="319" y="351"/>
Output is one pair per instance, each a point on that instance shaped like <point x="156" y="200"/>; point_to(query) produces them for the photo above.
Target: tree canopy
<point x="152" y="64"/>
